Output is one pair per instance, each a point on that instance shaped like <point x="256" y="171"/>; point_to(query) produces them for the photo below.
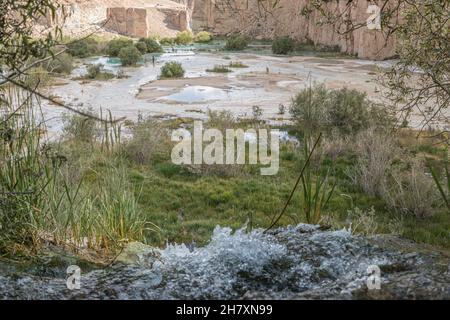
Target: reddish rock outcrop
<point x="164" y="19"/>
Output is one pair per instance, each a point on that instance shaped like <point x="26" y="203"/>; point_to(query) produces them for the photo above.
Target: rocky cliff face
<point x="262" y="19"/>
<point x="149" y="19"/>
<point x="137" y="18"/>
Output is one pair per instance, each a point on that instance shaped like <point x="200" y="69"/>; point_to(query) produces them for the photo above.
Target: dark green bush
<point x="114" y="46"/>
<point x="172" y="70"/>
<point x="83" y="48"/>
<point x="220" y="69"/>
<point x="167" y="41"/>
<point x="148" y="45"/>
<point x="237" y="42"/>
<point x="95" y="72"/>
<point x="344" y="110"/>
<point x="141" y="46"/>
<point x="129" y="56"/>
<point x="283" y="45"/>
<point x="237" y="64"/>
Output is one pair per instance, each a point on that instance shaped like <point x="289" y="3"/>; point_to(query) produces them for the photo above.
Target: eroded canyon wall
<point x="136" y="18"/>
<point x="268" y="19"/>
<point x="263" y="19"/>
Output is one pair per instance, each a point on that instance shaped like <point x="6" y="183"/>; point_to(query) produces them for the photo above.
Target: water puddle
<point x="196" y="94"/>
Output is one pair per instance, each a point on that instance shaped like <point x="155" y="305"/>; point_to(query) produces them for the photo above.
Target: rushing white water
<point x="294" y="262"/>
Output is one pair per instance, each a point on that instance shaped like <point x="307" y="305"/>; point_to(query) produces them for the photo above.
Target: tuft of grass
<point x="317" y="190"/>
<point x="237" y="64"/>
<point x="442" y="180"/>
<point x="96" y="72"/>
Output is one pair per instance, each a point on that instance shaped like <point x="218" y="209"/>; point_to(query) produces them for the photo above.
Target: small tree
<point x="172" y="70"/>
<point x="283" y="45"/>
<point x="237" y="42"/>
<point x="347" y="111"/>
<point x="148" y="45"/>
<point x="83" y="48"/>
<point x="422" y="36"/>
<point x="141" y="46"/>
<point x="129" y="56"/>
<point x="114" y="46"/>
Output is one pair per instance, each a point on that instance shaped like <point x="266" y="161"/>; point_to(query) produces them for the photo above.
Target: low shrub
<point x="172" y="70"/>
<point x="82" y="129"/>
<point x="284" y="45"/>
<point x="141" y="46"/>
<point x="167" y="41"/>
<point x="347" y="111"/>
<point x="375" y="154"/>
<point x="237" y="64"/>
<point x="114" y="46"/>
<point x="184" y="37"/>
<point x="95" y="72"/>
<point x="37" y="76"/>
<point x="83" y="48"/>
<point x="219" y="69"/>
<point x="62" y="64"/>
<point x="221" y="120"/>
<point x="307" y="45"/>
<point x="411" y="191"/>
<point x="203" y="37"/>
<point x="308" y="109"/>
<point x="363" y="222"/>
<point x="150" y="142"/>
<point x="148" y="45"/>
<point x="236" y="42"/>
<point x="129" y="56"/>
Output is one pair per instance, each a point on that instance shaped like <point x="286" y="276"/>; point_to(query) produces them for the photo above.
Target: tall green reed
<point x="317" y="188"/>
<point x="442" y="181"/>
<point x="41" y="201"/>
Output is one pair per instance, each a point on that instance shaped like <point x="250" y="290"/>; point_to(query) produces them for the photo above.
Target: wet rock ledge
<point x="298" y="262"/>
